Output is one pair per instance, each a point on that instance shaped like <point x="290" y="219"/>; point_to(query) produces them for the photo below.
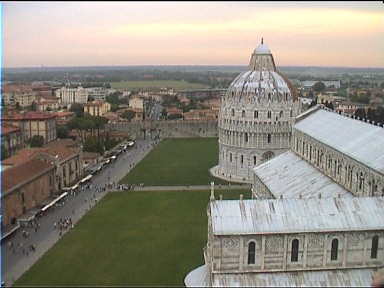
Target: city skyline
<point x="338" y="34"/>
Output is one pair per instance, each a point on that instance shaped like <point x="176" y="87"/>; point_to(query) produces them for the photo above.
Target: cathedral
<point x="315" y="217"/>
<point x="255" y="118"/>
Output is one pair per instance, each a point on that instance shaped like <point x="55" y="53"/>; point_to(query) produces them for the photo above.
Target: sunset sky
<point x="192" y="33"/>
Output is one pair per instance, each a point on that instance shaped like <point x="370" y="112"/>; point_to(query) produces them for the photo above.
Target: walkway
<point x="188" y="188"/>
<point x="74" y="206"/>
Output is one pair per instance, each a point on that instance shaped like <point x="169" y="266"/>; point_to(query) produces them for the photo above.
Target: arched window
<point x="255" y="114"/>
<point x="243" y="113"/>
<point x="290" y="113"/>
<point x="233" y="112"/>
<point x="254" y="160"/>
<point x="246" y="137"/>
<point x="281" y="114"/>
<point x="242" y="159"/>
<point x="269" y="138"/>
<point x="251" y="252"/>
<point x="269" y="96"/>
<point x="230" y="157"/>
<point x="295" y="250"/>
<point x="334" y="249"/>
<point x="269" y="114"/>
<point x="375" y="245"/>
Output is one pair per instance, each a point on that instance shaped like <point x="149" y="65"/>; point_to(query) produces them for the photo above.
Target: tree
<point x="37" y="141"/>
<point x="318" y="86"/>
<point x="4" y="152"/>
<point x="93" y="144"/>
<point x="175" y="116"/>
<point x="78" y="109"/>
<point x="360" y="112"/>
<point x="62" y="131"/>
<point x="129" y="114"/>
<point x="34" y="106"/>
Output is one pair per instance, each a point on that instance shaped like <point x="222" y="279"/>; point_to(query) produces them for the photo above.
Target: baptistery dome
<point x="255" y="118"/>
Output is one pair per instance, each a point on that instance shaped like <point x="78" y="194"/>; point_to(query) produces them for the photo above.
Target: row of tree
<point x="376" y="115"/>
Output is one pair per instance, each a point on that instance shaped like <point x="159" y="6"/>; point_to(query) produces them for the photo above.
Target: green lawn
<point x="177" y="162"/>
<point x="131" y="238"/>
<point x="176" y="84"/>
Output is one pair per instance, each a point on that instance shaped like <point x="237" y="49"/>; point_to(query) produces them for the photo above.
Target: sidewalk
<point x="189" y="188"/>
<point x="75" y="207"/>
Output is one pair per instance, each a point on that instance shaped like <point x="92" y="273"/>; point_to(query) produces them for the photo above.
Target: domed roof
<point x="262" y="78"/>
<point x="262" y="48"/>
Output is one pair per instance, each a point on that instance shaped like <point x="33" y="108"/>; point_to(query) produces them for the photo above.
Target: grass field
<point x="176" y="84"/>
<point x="131" y="238"/>
<point x="177" y="162"/>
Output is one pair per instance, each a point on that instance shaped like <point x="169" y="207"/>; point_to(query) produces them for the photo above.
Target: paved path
<point x="75" y="206"/>
<point x="188" y="188"/>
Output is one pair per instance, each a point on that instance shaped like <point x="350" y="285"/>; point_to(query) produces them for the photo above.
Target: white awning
<point x="54" y="201"/>
<point x="86" y="178"/>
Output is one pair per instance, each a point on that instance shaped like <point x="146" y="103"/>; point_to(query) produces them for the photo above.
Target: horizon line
<point x="229" y="65"/>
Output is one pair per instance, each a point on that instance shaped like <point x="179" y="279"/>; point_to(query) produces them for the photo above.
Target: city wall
<point x="167" y="128"/>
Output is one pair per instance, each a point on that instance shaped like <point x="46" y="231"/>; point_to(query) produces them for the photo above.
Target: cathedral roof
<point x="330" y="278"/>
<point x="234" y="217"/>
<point x="359" y="140"/>
<point x="289" y="176"/>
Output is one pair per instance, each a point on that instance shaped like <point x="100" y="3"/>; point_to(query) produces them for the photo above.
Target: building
<point x="292" y="242"/>
<point x="17" y="94"/>
<point x="47" y="104"/>
<point x="62" y="118"/>
<point x="97" y="93"/>
<point x="315" y="219"/>
<point x="255" y="118"/>
<point x="348" y="107"/>
<point x="24" y="187"/>
<point x="33" y="123"/>
<point x="136" y="103"/>
<point x="11" y="139"/>
<point x="64" y="154"/>
<point x="69" y="95"/>
<point x="97" y="108"/>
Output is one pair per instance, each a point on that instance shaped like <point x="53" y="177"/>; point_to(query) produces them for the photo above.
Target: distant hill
<point x="194" y="68"/>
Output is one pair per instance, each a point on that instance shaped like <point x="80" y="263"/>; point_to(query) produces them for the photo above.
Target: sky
<point x="348" y="34"/>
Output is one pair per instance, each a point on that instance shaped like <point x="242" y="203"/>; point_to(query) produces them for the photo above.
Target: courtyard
<point x="177" y="162"/>
<point x="131" y="238"/>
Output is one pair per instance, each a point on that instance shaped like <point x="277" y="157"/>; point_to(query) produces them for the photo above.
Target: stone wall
<point x="229" y="254"/>
<point x="167" y="128"/>
<point x="27" y="197"/>
<point x="344" y="170"/>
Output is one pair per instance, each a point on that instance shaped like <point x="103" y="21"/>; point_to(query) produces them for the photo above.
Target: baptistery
<point x="255" y="118"/>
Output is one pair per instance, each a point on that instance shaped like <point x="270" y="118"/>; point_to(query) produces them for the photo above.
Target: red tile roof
<point x="23" y="172"/>
<point x="8" y="129"/>
<point x="31" y="115"/>
<point x="64" y="148"/>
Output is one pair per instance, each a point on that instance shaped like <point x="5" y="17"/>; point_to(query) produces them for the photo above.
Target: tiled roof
<point x="7" y="129"/>
<point x="22" y="173"/>
<point x="32" y="115"/>
<point x="58" y="147"/>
